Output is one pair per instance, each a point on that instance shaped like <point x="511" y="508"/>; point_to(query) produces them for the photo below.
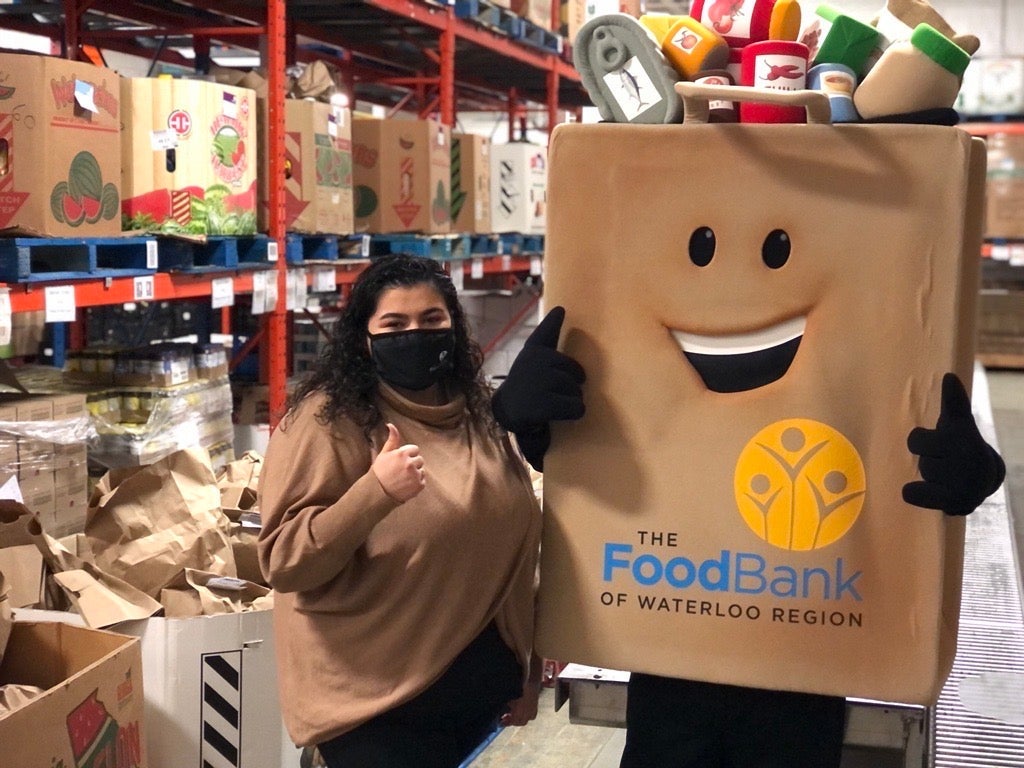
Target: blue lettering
<point x="673" y="579"/>
<point x="847" y="584"/>
<point x="611" y="562"/>
<point x="756" y="574"/>
<point x="656" y="570"/>
<point x="785" y="585"/>
<point x="712" y="568"/>
<point x="826" y="582"/>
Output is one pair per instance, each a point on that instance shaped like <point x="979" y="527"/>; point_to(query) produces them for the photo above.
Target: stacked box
<point x="52" y="474"/>
<point x="318" y="169"/>
<point x="60" y="147"/>
<point x="189" y="156"/>
<point x="518" y="188"/>
<point x="471" y="183"/>
<point x="1005" y="186"/>
<point x="402" y="176"/>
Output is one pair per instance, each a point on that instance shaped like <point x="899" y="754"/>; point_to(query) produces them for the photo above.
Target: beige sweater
<point x="374" y="598"/>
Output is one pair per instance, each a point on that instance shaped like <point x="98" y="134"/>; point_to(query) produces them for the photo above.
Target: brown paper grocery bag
<point x="5" y="616"/>
<point x="733" y="513"/>
<point x="200" y="593"/>
<point x="148" y="525"/>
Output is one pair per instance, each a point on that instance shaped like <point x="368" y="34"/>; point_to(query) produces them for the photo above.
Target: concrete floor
<point x="551" y="741"/>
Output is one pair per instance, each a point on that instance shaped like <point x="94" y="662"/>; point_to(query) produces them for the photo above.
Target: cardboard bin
<point x="60" y="147"/>
<point x="211" y="690"/>
<point x="402" y="176"/>
<point x="764" y="312"/>
<point x="92" y="711"/>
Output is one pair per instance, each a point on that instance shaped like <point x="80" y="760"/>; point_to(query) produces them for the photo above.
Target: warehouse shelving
<point x="406" y="54"/>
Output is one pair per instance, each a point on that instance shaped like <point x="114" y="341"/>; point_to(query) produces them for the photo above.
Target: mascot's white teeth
<point x="741" y="343"/>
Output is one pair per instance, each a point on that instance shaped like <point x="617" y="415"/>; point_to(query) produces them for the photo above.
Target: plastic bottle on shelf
<point x="924" y="72"/>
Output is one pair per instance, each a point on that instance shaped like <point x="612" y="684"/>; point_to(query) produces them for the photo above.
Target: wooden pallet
<point x="300" y="248"/>
<point x="215" y="253"/>
<point x="492" y="16"/>
<point x="37" y="259"/>
<point x="442" y="247"/>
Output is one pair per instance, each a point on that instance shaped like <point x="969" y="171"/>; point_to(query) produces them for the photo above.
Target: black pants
<point x="685" y="724"/>
<point x="444" y="724"/>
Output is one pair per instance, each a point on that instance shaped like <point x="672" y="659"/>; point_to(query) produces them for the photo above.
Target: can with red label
<point x="719" y="111"/>
<point x="774" y="65"/>
<point x="740" y="22"/>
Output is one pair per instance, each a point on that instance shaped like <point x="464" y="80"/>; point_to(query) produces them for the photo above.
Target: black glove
<point x="543" y="385"/>
<point x="959" y="469"/>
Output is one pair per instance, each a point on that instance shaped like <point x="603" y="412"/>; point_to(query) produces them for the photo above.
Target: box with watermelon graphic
<point x="318" y="169"/>
<point x="188" y="157"/>
<point x="91" y="713"/>
<point x="60" y="147"/>
<point x="401" y="170"/>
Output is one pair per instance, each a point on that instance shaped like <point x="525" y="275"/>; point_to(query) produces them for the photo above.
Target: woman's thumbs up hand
<point x="399" y="468"/>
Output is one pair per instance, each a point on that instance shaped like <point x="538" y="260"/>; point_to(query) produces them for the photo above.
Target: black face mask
<point x="413" y="359"/>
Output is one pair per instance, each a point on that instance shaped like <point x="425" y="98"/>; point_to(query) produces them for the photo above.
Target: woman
<point x="400" y="532"/>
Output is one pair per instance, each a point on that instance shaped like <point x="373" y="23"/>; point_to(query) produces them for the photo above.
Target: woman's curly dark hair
<point x="346" y="374"/>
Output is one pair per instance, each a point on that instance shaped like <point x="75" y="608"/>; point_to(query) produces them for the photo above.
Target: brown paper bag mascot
<point x="675" y="723"/>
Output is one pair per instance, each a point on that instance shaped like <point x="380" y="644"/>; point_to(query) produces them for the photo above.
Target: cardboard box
<point x="576" y="13"/>
<point x="730" y="507"/>
<point x="471" y="183"/>
<point x="22" y="567"/>
<point x="27" y="332"/>
<point x="318" y="173"/>
<point x="60" y="147"/>
<point x="35" y="457"/>
<point x="402" y="176"/>
<point x="70" y="500"/>
<point x="518" y="188"/>
<point x="189" y="156"/>
<point x="8" y="442"/>
<point x="1005" y="186"/>
<point x="38" y="493"/>
<point x="211" y="689"/>
<point x="92" y="711"/>
<point x="534" y="11"/>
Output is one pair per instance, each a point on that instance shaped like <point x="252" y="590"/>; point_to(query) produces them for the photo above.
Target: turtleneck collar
<point x="448" y="416"/>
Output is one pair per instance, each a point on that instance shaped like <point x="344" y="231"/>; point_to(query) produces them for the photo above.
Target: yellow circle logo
<point x="799" y="484"/>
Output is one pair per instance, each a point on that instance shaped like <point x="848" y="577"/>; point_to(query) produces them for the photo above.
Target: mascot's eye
<point x="775" y="250"/>
<point x="702" y="246"/>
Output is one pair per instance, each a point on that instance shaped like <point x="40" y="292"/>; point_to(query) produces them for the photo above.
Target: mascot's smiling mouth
<point x="743" y="361"/>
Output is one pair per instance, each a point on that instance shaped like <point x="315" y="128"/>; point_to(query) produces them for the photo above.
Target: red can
<point x="740" y="22"/>
<point x="774" y="65"/>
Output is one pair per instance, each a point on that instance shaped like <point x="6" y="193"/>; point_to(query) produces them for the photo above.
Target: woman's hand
<point x="524" y="709"/>
<point x="399" y="468"/>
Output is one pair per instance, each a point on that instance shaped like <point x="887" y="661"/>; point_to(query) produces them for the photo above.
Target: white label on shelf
<point x="272" y="250"/>
<point x="152" y="255"/>
<point x="457" y="275"/>
<point x="364" y="247"/>
<point x="324" y="280"/>
<point x="59" y="301"/>
<point x="163" y="140"/>
<point x="332" y="125"/>
<point x="536" y="266"/>
<point x="1000" y="252"/>
<point x="297" y="291"/>
<point x="270" y="303"/>
<point x="142" y="288"/>
<point x="476" y="269"/>
<point x="85" y="95"/>
<point x="222" y="292"/>
<point x="1017" y="255"/>
<point x="5" y="316"/>
<point x="259" y="293"/>
<point x="506" y="263"/>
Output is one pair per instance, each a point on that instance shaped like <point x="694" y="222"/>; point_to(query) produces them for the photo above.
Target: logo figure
<point x="799" y="484"/>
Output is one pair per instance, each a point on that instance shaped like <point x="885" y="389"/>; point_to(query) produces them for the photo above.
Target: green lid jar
<point x="923" y="72"/>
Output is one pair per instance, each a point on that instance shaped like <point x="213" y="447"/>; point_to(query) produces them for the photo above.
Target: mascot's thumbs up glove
<point x="958" y="468"/>
<point x="543" y="385"/>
